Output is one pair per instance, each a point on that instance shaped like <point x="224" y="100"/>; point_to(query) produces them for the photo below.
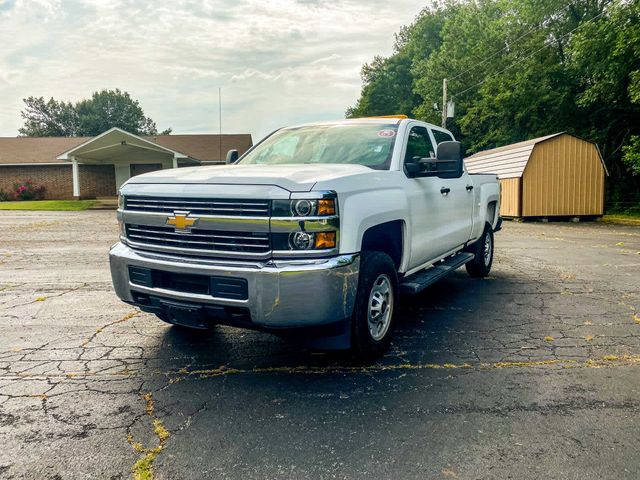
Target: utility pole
<point x="444" y="103"/>
<point x="220" y="120"/>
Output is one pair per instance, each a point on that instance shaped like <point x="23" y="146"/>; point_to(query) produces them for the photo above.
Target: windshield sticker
<point x="387" y="132"/>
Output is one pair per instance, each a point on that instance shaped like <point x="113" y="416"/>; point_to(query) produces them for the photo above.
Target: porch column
<point x="76" y="178"/>
<point x="175" y="161"/>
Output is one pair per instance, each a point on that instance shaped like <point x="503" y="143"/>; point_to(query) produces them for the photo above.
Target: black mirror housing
<point x="450" y="158"/>
<point x="448" y="163"/>
<point x="450" y="151"/>
<point x="413" y="169"/>
<point x="232" y="156"/>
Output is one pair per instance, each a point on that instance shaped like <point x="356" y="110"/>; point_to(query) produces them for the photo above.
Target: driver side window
<point x="418" y="145"/>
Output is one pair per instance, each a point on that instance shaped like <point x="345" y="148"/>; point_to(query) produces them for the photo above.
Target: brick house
<point x="90" y="167"/>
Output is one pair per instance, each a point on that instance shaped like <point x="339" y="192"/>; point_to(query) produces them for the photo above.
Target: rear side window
<point x="418" y="145"/>
<point x="441" y="136"/>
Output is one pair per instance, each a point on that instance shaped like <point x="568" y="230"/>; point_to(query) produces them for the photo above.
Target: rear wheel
<point x="372" y="321"/>
<point x="480" y="266"/>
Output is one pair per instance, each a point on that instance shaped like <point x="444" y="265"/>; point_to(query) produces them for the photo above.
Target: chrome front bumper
<point x="281" y="294"/>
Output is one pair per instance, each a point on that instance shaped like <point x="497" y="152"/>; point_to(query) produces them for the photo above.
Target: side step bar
<point x="421" y="280"/>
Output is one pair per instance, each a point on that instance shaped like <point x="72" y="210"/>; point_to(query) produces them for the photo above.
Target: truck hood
<point x="295" y="178"/>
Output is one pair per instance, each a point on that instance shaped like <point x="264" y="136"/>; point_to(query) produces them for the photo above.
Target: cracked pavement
<point x="533" y="372"/>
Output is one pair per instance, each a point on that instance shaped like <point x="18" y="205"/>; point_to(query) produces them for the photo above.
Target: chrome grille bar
<point x="201" y="206"/>
<point x="211" y="241"/>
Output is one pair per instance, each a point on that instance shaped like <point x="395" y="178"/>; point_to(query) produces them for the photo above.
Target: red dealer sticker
<point x="388" y="132"/>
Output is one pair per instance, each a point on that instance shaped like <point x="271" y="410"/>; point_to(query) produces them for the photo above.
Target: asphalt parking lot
<point x="531" y="373"/>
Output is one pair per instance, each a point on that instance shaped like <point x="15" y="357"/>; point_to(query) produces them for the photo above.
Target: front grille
<point x="199" y="206"/>
<point x="199" y="239"/>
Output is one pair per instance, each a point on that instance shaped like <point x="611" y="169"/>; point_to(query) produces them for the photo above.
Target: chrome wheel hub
<point x="488" y="251"/>
<point x="380" y="307"/>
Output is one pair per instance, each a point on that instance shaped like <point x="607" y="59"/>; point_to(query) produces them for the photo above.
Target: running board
<point x="421" y="280"/>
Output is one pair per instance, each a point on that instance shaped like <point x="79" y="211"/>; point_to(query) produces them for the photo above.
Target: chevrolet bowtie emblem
<point x="181" y="221"/>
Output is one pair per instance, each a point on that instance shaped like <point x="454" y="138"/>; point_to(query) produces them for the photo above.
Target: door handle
<point x="445" y="190"/>
<point x="469" y="188"/>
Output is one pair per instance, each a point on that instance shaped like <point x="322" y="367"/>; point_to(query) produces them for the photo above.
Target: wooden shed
<point x="556" y="175"/>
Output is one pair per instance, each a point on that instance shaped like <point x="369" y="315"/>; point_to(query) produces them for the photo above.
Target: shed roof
<point x="203" y="147"/>
<point x="506" y="162"/>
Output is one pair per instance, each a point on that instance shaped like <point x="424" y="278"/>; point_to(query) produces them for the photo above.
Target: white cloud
<point x="278" y="61"/>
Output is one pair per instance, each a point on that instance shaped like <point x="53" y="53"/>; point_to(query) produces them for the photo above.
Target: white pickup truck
<point x="313" y="233"/>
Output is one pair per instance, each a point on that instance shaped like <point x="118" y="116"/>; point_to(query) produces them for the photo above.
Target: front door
<point x="140" y="168"/>
<point x="428" y="207"/>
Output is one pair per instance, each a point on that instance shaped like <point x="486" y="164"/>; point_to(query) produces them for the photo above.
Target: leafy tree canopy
<point x="519" y="69"/>
<point x="104" y="110"/>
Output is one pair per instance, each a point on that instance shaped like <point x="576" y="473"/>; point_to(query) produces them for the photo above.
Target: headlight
<point x="305" y="207"/>
<point x="120" y="201"/>
<point x="305" y="225"/>
<point x="301" y="240"/>
<point x="305" y="241"/>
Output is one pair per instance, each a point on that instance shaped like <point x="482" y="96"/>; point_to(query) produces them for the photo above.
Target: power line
<point x="536" y="51"/>
<point x="514" y="42"/>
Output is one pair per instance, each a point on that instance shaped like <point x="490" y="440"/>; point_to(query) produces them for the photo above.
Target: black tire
<point x="480" y="266"/>
<point x="378" y="272"/>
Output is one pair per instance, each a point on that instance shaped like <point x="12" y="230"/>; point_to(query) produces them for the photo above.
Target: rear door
<point x="460" y="198"/>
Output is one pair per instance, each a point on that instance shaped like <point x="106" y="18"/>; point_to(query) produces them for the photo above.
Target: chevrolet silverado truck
<point x="313" y="233"/>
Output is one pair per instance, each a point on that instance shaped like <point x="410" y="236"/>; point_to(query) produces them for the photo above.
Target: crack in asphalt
<point x="143" y="468"/>
<point x="606" y="361"/>
<point x="126" y="317"/>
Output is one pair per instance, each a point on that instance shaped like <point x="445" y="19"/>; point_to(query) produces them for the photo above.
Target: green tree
<point x="388" y="83"/>
<point x="48" y="119"/>
<point x="631" y="154"/>
<point x="388" y="88"/>
<point x="104" y="110"/>
<point x="519" y="69"/>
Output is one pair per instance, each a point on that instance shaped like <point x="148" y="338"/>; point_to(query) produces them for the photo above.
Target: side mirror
<point x="413" y="169"/>
<point x="232" y="156"/>
<point x="449" y="152"/>
<point x="449" y="160"/>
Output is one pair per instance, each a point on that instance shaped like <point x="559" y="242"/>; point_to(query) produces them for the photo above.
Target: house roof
<point x="205" y="147"/>
<point x="202" y="147"/>
<point x="506" y="162"/>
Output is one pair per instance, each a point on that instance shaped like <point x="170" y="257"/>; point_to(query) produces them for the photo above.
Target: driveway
<point x="533" y="372"/>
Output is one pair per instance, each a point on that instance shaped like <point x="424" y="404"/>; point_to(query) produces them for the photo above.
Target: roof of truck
<point x="385" y="120"/>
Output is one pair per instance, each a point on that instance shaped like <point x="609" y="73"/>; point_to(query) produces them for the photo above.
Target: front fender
<point x="363" y="210"/>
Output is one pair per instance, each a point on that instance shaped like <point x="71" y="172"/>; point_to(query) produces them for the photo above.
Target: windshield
<point x="355" y="144"/>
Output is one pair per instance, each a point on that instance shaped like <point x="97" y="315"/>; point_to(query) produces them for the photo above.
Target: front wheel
<point x="480" y="266"/>
<point x="372" y="321"/>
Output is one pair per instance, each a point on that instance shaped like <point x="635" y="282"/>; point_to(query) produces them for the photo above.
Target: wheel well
<point x="386" y="238"/>
<point x="491" y="212"/>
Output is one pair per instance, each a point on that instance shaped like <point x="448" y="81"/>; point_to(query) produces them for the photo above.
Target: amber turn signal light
<point x="325" y="240"/>
<point x="326" y="206"/>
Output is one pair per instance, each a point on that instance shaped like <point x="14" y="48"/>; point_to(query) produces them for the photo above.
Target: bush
<point x="4" y="196"/>
<point x="28" y="190"/>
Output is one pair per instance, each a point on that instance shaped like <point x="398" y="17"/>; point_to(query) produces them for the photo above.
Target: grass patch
<point x="630" y="216"/>
<point x="59" y="205"/>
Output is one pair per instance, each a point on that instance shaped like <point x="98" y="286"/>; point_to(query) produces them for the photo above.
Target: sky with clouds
<point x="278" y="62"/>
